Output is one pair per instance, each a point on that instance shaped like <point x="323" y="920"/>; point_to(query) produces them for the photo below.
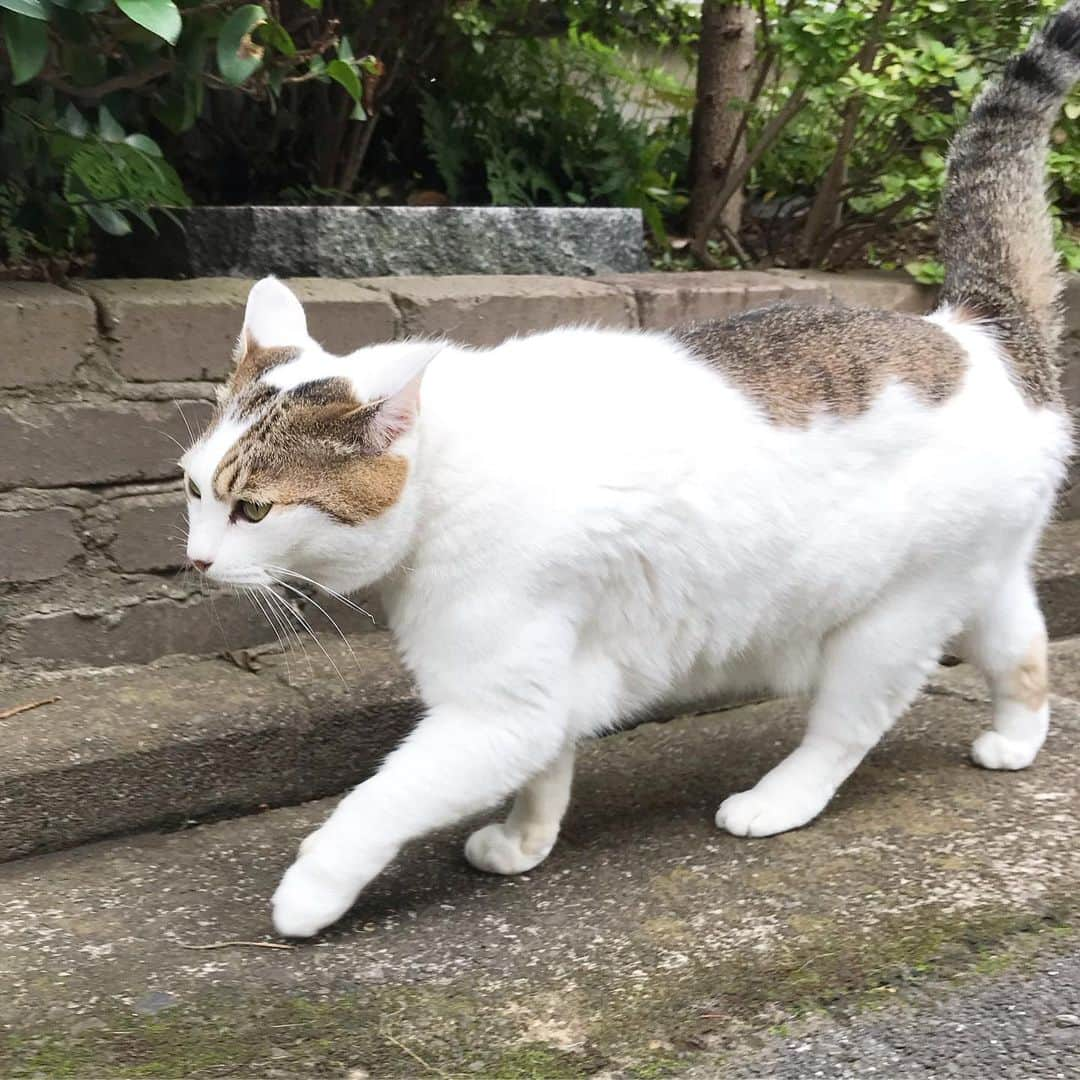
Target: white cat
<point x="580" y="526"/>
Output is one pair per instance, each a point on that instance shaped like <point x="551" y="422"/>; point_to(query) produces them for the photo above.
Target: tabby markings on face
<point x="314" y="444"/>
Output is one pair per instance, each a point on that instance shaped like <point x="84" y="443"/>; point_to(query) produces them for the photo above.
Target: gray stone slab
<point x="133" y="748"/>
<point x="376" y="241"/>
<point x="649" y="942"/>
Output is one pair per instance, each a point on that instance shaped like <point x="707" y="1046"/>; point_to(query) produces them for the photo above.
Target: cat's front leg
<point x="456" y="763"/>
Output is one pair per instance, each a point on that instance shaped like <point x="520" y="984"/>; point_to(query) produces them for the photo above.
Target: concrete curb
<point x="124" y="749"/>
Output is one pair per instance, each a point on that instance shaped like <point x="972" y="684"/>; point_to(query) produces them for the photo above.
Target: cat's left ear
<point x="274" y="318"/>
<point x="395" y="393"/>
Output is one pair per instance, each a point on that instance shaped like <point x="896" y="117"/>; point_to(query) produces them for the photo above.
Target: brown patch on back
<point x="1028" y="682"/>
<point x="796" y="362"/>
<point x="314" y="444"/>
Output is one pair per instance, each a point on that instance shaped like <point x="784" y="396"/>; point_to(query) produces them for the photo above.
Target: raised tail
<point x="995" y="226"/>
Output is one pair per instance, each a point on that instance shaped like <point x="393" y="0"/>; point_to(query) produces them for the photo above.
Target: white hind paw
<point x="993" y="750"/>
<point x="498" y="850"/>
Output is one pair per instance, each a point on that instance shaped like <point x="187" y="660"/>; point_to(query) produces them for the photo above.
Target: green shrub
<point x="76" y="76"/>
<point x="923" y="66"/>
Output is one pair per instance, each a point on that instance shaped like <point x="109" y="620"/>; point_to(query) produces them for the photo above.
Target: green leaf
<point x="344" y="51"/>
<point x="145" y="144"/>
<point x="27" y="43"/>
<point x="275" y="35"/>
<point x="32" y="9"/>
<point x="105" y="217"/>
<point x="316" y="4"/>
<point x="108" y="128"/>
<point x="237" y="56"/>
<point x="341" y="73"/>
<point x="359" y="112"/>
<point x="73" y="122"/>
<point x="160" y="17"/>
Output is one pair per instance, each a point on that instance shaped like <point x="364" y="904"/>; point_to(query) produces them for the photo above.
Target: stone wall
<point x="99" y="383"/>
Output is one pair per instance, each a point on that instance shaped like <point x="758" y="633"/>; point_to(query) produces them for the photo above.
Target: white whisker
<point x="325" y="588"/>
<point x="311" y="599"/>
<point x="185" y="419"/>
<point x="286" y="613"/>
<point x="314" y="637"/>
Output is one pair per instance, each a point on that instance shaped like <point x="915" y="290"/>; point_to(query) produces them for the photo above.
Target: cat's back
<point x="797" y="363"/>
<point x="783" y="367"/>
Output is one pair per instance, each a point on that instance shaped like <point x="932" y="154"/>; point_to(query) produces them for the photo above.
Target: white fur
<point x="597" y="525"/>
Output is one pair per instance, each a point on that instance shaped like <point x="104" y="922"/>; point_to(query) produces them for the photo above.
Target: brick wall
<point x="99" y="381"/>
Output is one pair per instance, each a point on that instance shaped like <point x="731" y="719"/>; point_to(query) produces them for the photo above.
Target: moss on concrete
<point x="647" y="1031"/>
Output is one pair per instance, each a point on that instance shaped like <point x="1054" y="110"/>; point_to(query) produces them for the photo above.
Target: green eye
<point x="252" y="511"/>
<point x="193" y="489"/>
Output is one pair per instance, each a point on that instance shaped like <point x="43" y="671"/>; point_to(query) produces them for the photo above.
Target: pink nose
<point x="201" y="565"/>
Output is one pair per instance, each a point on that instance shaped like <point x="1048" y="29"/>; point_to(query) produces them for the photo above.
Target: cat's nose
<point x="202" y="565"/>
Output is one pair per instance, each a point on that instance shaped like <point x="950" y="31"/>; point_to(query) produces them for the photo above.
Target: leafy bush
<point x="75" y="74"/>
<point x="548" y="122"/>
<point x="109" y="108"/>
<point x="855" y="173"/>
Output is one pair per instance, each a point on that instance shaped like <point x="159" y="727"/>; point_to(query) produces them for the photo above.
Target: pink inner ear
<point x="398" y="412"/>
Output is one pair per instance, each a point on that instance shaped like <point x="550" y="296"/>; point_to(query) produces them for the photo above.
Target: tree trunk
<point x="725" y="73"/>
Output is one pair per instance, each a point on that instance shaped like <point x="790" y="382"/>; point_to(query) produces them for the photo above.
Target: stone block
<point x="142" y="632"/>
<point x="487" y="310"/>
<point x="133" y="749"/>
<point x="363" y="241"/>
<point x="37" y="545"/>
<point x="46" y="332"/>
<point x="665" y="300"/>
<point x="55" y="445"/>
<point x="869" y="288"/>
<point x="179" y="330"/>
<point x="150" y="531"/>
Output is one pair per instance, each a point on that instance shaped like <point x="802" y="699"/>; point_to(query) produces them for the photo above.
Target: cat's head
<point x="305" y="468"/>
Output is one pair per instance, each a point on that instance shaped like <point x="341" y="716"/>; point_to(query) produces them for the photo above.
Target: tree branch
<point x="131" y="81"/>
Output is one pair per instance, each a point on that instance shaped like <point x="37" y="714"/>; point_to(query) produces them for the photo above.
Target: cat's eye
<point x="252" y="511"/>
<point x="193" y="489"/>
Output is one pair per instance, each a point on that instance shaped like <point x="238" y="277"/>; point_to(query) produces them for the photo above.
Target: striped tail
<point x="995" y="226"/>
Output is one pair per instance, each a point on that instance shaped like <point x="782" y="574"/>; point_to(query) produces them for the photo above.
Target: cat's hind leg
<point x="872" y="668"/>
<point x="1007" y="642"/>
<point x="530" y="830"/>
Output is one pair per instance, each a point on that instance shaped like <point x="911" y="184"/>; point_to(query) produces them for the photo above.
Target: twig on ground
<point x="15" y="710"/>
<point x="237" y="945"/>
<point x="413" y="1054"/>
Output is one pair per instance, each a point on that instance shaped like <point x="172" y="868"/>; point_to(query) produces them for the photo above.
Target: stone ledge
<point x="46" y="333"/>
<point x="868" y="288"/>
<point x="479" y="310"/>
<point x="130" y="749"/>
<point x="666" y="300"/>
<point x="354" y="241"/>
<point x="163" y="331"/>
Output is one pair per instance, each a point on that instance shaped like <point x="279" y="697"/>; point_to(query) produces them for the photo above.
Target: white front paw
<point x="764" y="813"/>
<point x="993" y="750"/>
<point x="310" y="897"/>
<point x="499" y="850"/>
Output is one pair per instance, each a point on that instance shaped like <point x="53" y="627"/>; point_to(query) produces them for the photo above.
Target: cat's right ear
<point x="274" y="318"/>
